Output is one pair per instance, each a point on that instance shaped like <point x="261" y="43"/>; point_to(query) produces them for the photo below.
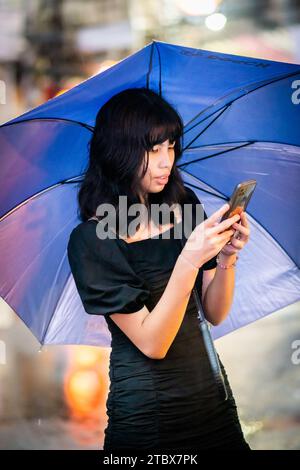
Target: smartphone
<point x="240" y="198"/>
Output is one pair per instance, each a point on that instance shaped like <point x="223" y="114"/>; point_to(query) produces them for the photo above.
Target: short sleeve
<point x="193" y="199"/>
<point x="104" y="278"/>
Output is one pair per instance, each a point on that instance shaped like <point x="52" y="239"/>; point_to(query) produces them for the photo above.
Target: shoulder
<point x="86" y="238"/>
<point x="80" y="235"/>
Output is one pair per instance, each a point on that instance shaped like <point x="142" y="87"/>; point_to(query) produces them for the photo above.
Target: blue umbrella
<point x="242" y="121"/>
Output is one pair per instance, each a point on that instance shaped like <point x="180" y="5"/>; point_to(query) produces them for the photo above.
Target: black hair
<point x="129" y="124"/>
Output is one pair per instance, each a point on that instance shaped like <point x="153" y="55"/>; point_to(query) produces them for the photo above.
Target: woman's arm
<point x="153" y="332"/>
<point x="164" y="321"/>
<point x="220" y="291"/>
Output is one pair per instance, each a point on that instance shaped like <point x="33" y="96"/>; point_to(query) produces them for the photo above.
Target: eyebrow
<point x="170" y="143"/>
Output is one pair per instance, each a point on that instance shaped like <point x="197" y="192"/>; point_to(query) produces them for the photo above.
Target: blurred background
<point x="54" y="397"/>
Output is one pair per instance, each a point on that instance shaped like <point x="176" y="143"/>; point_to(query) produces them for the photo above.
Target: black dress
<point x="153" y="404"/>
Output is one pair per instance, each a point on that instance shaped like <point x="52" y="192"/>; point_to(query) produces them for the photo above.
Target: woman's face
<point x="161" y="160"/>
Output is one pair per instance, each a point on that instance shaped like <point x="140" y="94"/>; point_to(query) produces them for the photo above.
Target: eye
<point x="171" y="146"/>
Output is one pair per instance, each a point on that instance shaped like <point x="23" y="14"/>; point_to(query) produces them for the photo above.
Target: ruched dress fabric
<point x="153" y="404"/>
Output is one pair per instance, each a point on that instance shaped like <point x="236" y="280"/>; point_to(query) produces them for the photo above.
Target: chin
<point x="158" y="189"/>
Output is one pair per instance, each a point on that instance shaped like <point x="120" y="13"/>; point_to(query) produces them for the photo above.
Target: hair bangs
<point x="162" y="125"/>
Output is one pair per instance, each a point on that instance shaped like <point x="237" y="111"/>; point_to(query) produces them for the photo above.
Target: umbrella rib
<point x="206" y="191"/>
<point x="207" y="117"/>
<point x="227" y="198"/>
<point x="160" y="68"/>
<point x="208" y="125"/>
<point x="72" y="121"/>
<point x="213" y="187"/>
<point x="18" y="206"/>
<point x="150" y="65"/>
<point x="275" y="79"/>
<point x="216" y="154"/>
<point x="250" y="142"/>
<point x="238" y="141"/>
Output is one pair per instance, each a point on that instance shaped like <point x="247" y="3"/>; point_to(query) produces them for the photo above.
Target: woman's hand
<point x="209" y="237"/>
<point x="239" y="239"/>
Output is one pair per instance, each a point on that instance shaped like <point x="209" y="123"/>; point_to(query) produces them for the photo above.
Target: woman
<point x="162" y="393"/>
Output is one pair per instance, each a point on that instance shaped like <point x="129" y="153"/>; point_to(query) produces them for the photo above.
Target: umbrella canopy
<point x="241" y="118"/>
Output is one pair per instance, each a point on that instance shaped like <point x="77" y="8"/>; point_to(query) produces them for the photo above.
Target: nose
<point x="166" y="159"/>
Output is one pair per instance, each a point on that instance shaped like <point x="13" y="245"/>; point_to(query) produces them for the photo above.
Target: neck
<point x="143" y="197"/>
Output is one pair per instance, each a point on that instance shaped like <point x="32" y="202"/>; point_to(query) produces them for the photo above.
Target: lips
<point x="162" y="179"/>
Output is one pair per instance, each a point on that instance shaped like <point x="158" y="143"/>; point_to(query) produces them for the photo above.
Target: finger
<point x="222" y="239"/>
<point x="225" y="235"/>
<point x="216" y="215"/>
<point x="225" y="224"/>
<point x="244" y="219"/>
<point x="240" y="228"/>
<point x="237" y="243"/>
<point x="230" y="250"/>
